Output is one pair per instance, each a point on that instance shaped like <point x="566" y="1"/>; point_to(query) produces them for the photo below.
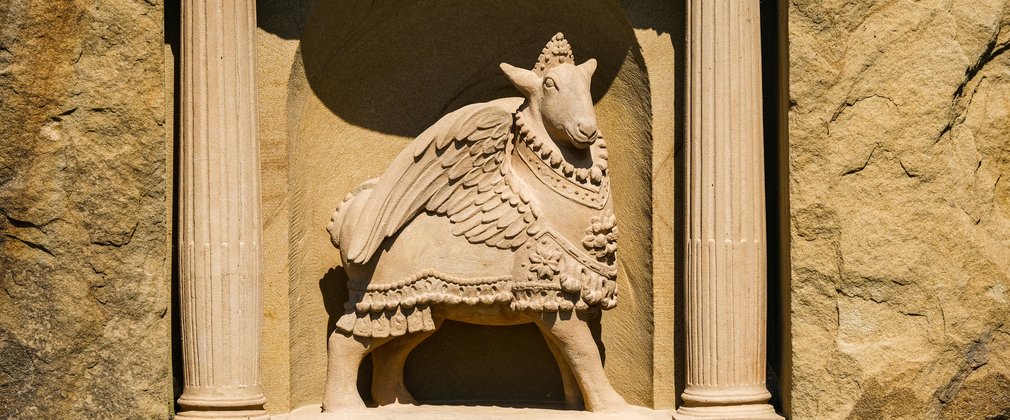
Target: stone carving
<point x="498" y="214"/>
<point x="219" y="229"/>
<point x="726" y="275"/>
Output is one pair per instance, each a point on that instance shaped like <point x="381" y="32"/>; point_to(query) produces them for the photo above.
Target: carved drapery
<point x="725" y="235"/>
<point x="219" y="212"/>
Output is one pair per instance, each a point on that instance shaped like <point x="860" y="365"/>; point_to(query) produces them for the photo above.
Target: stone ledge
<point x="439" y="412"/>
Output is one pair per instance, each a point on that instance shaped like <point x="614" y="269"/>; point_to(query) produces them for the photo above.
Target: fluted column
<point x="219" y="212"/>
<point x="725" y="214"/>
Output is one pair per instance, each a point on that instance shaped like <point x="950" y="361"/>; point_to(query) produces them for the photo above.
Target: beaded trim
<point x="552" y="157"/>
<point x="426" y="288"/>
<point x="555" y="178"/>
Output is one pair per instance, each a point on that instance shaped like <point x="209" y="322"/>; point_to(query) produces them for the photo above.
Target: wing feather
<point x="506" y="219"/>
<point x="482" y="198"/>
<point x="491" y="204"/>
<point x="512" y="230"/>
<point x="465" y="214"/>
<point x="439" y="202"/>
<point x="477" y="233"/>
<point x="474" y="177"/>
<point x="492" y="216"/>
<point x="459" y="201"/>
<point x="466" y="225"/>
<point x="488" y="233"/>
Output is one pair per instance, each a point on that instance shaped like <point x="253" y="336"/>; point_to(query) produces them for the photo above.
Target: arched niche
<point x="371" y="75"/>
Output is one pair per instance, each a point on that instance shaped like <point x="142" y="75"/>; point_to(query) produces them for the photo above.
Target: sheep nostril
<point x="588" y="130"/>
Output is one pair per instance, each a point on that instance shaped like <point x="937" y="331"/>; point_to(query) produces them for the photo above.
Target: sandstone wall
<point x="899" y="132"/>
<point x="84" y="219"/>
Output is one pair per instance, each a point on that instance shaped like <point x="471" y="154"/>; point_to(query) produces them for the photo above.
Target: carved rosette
<point x="560" y="278"/>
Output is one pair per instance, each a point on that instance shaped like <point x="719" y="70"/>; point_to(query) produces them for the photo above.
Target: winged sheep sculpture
<point x="498" y="214"/>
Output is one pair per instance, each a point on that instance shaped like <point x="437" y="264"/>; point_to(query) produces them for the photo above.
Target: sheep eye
<point x="549" y="83"/>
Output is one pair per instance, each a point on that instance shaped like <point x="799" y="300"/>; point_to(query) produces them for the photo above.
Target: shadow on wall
<point x="404" y="52"/>
<point x="394" y="67"/>
<point x="284" y="18"/>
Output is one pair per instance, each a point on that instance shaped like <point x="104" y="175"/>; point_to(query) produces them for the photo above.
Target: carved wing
<point x="459" y="168"/>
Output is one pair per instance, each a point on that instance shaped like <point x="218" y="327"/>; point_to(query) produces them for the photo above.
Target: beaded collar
<point x="582" y="176"/>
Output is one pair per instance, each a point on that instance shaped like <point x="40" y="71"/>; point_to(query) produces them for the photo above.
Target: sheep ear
<point x="525" y="80"/>
<point x="588" y="68"/>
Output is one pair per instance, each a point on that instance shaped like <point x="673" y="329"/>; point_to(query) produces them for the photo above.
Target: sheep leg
<point x="344" y="355"/>
<point x="388" y="362"/>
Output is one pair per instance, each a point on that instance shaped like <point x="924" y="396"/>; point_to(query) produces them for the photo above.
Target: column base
<point x="203" y="403"/>
<point x="219" y="414"/>
<point x="749" y="411"/>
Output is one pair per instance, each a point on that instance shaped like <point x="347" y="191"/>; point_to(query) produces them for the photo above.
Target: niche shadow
<point x="395" y="67"/>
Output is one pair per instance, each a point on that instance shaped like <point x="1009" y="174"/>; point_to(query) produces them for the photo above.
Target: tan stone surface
<point x="436" y="412"/>
<point x="655" y="26"/>
<point x="724" y="206"/>
<point x="500" y="213"/>
<point x="219" y="223"/>
<point x="350" y="123"/>
<point x="84" y="223"/>
<point x="281" y="24"/>
<point x="899" y="169"/>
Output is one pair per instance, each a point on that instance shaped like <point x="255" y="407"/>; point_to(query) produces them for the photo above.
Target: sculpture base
<point x="439" y="412"/>
<point x="748" y="411"/>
